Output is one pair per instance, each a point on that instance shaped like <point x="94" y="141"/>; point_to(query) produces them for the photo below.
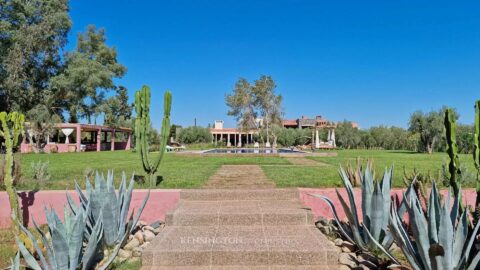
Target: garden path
<point x="239" y="176"/>
<point x="241" y="228"/>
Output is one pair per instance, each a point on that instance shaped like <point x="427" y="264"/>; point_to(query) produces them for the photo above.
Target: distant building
<point x="318" y="123"/>
<point x="231" y="136"/>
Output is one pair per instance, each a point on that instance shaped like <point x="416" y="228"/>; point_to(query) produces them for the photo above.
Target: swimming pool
<point x="252" y="151"/>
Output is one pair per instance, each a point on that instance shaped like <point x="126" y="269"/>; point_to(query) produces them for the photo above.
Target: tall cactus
<point x="11" y="129"/>
<point x="451" y="136"/>
<point x="476" y="156"/>
<point x="142" y="123"/>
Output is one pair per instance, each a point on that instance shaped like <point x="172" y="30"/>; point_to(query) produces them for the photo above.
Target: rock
<point x="139" y="236"/>
<point x="145" y="245"/>
<point x="338" y="242"/>
<point x="132" y="244"/>
<point x="343" y="267"/>
<point x="157" y="224"/>
<point x="130" y="237"/>
<point x="347" y="259"/>
<point x="325" y="230"/>
<point x="141" y="224"/>
<point x="148" y="236"/>
<point x="323" y="221"/>
<point x="137" y="252"/>
<point x="148" y="228"/>
<point x="348" y="247"/>
<point x="157" y="231"/>
<point x="124" y="254"/>
<point x="367" y="259"/>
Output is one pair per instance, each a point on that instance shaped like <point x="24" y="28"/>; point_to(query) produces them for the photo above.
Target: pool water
<point x="252" y="151"/>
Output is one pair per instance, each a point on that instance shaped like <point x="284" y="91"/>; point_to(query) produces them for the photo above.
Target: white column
<point x="317" y="139"/>
<point x="229" y="144"/>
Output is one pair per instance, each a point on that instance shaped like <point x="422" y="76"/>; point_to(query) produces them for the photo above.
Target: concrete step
<point x="247" y="213"/>
<point x="240" y="267"/>
<point x="240" y="246"/>
<point x="239" y="194"/>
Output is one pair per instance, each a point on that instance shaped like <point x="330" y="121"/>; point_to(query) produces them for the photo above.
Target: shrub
<point x="40" y="172"/>
<point x="191" y="135"/>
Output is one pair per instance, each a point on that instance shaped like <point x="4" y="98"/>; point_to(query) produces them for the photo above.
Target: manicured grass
<point x="178" y="171"/>
<point x="327" y="176"/>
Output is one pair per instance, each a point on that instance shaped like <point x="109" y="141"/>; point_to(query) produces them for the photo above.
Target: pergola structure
<point x="71" y="137"/>
<point x="232" y="136"/>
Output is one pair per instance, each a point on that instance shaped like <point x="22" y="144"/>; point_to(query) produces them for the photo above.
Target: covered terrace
<point x="70" y="137"/>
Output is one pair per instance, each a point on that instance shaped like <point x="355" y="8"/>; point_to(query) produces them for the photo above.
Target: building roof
<point x="290" y="122"/>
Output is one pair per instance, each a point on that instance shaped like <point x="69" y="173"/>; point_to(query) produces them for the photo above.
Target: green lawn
<point x="293" y="176"/>
<point x="192" y="171"/>
<point x="177" y="171"/>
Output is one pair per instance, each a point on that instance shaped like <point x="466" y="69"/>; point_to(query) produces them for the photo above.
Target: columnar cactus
<point x="11" y="129"/>
<point x="451" y="136"/>
<point x="476" y="156"/>
<point x="142" y="123"/>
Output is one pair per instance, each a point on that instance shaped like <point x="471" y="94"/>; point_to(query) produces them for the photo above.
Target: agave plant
<point x="111" y="209"/>
<point x="15" y="263"/>
<point x="440" y="238"/>
<point x="68" y="248"/>
<point x="375" y="206"/>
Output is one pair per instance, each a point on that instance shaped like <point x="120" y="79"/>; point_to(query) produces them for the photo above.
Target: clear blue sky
<point x="373" y="62"/>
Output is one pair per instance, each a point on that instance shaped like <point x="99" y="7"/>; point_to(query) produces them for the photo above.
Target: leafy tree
<point x="269" y="104"/>
<point x="32" y="35"/>
<point x="195" y="134"/>
<point x="347" y="136"/>
<point x="430" y="128"/>
<point x="242" y="105"/>
<point x="248" y="102"/>
<point x="117" y="109"/>
<point x="89" y="72"/>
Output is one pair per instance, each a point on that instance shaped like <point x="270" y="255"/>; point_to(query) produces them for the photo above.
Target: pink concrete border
<point x="160" y="202"/>
<point x="321" y="209"/>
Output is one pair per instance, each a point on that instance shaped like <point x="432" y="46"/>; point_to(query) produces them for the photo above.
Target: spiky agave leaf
<point x="439" y="241"/>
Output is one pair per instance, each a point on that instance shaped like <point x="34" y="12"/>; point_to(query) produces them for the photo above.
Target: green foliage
<point x="430" y="128"/>
<point x="293" y="137"/>
<point x="117" y="110"/>
<point x="476" y="143"/>
<point x="16" y="171"/>
<point x="248" y="102"/>
<point x="347" y="136"/>
<point x="33" y="34"/>
<point x="441" y="238"/>
<point x="142" y="123"/>
<point x="375" y="207"/>
<point x="89" y="72"/>
<point x="11" y="129"/>
<point x="196" y="134"/>
<point x="41" y="174"/>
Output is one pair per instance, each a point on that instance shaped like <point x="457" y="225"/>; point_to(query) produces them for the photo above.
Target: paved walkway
<point x="239" y="176"/>
<point x="240" y="229"/>
<point x="301" y="161"/>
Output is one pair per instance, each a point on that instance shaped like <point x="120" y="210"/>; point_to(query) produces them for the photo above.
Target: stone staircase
<point x="240" y="229"/>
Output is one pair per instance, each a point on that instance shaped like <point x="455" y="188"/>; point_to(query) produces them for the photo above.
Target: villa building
<point x="71" y="137"/>
<point x="235" y="137"/>
<point x="231" y="136"/>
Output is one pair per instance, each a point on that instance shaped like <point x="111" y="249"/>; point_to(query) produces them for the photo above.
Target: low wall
<point x="33" y="205"/>
<point x="321" y="208"/>
<point x="161" y="201"/>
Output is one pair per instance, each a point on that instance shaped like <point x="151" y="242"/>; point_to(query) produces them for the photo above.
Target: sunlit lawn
<point x="327" y="176"/>
<point x="178" y="171"/>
